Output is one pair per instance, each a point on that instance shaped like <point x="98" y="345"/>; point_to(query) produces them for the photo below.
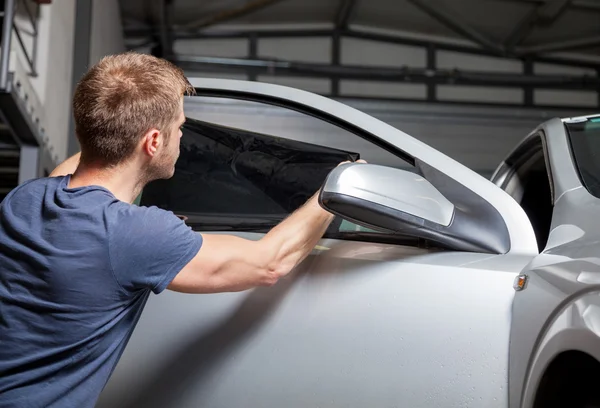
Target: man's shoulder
<point x="38" y="183"/>
<point x="30" y="189"/>
<point x="124" y="216"/>
<point x="126" y="210"/>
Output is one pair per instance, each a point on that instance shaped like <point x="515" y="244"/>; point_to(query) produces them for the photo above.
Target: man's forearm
<point x="295" y="237"/>
<point x="67" y="167"/>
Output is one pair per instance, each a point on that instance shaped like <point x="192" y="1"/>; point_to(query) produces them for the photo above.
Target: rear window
<point x="584" y="137"/>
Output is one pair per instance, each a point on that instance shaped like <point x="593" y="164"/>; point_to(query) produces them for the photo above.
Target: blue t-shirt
<point x="76" y="269"/>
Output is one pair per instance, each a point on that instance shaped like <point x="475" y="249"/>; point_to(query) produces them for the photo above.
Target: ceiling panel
<point x="495" y="19"/>
<point x="397" y="15"/>
<point x="573" y="24"/>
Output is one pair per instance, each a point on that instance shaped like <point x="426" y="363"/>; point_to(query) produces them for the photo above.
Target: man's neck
<point x="123" y="181"/>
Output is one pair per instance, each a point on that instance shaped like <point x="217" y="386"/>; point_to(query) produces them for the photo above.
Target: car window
<point x="525" y="176"/>
<point x="584" y="137"/>
<point x="245" y="166"/>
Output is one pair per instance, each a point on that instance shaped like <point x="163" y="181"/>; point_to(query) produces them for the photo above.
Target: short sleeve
<point x="148" y="247"/>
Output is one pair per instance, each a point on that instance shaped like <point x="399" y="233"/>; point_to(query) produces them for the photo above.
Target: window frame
<point x="576" y="159"/>
<point x="520" y="162"/>
<point x="384" y="237"/>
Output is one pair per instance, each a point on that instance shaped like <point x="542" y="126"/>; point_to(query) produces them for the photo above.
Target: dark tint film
<point x="585" y="144"/>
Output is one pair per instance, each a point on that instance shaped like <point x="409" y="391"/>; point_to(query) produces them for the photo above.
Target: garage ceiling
<point x="504" y="27"/>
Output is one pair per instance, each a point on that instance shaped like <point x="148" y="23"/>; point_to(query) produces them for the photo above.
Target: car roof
<point x="580" y="118"/>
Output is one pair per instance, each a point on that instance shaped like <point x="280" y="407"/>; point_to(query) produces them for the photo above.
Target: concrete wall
<point x="47" y="96"/>
<point x="57" y="101"/>
<point x="106" y="30"/>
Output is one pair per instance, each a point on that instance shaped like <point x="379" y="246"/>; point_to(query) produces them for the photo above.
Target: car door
<point x="369" y="318"/>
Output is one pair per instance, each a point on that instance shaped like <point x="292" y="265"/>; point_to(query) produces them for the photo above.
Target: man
<point x="78" y="261"/>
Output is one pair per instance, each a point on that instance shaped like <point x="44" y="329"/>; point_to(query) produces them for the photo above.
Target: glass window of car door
<point x="244" y="166"/>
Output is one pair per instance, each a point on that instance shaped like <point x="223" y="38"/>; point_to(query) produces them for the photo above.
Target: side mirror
<point x="385" y="198"/>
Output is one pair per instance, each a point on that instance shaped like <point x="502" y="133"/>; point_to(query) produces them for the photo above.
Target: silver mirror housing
<point x="398" y="201"/>
<point x="385" y="198"/>
<point x="388" y="192"/>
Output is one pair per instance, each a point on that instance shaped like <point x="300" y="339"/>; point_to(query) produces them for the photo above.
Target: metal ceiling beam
<point x="227" y="15"/>
<point x="145" y="37"/>
<point x="584" y="5"/>
<point x="587" y="4"/>
<point x="395" y="39"/>
<point x="405" y="74"/>
<point x="544" y="14"/>
<point x="352" y="33"/>
<point x="166" y="38"/>
<point x="345" y="9"/>
<point x="457" y="24"/>
<point x="569" y="45"/>
<point x="344" y="13"/>
<point x="139" y="33"/>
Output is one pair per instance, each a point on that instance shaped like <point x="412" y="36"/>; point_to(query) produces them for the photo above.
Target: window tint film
<point x="245" y="166"/>
<point x="584" y="137"/>
<point x="236" y="172"/>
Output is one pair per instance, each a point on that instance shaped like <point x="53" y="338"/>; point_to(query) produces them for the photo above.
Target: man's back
<point x="72" y="290"/>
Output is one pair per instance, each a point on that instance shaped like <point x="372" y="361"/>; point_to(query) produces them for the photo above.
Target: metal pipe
<point x="165" y="43"/>
<point x="35" y="39"/>
<point x="29" y="59"/>
<point x="404" y="74"/>
<point x="32" y="20"/>
<point x="9" y="13"/>
<point x="579" y="43"/>
<point x="311" y="32"/>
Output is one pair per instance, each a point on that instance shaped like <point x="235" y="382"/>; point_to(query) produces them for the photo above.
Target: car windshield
<point x="584" y="135"/>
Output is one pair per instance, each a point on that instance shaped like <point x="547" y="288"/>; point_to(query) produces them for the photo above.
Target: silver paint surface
<point x="356" y="325"/>
<point x="413" y="195"/>
<point x="558" y="311"/>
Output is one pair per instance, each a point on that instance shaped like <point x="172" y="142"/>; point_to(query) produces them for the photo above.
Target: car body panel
<point x="355" y="325"/>
<point x="553" y="313"/>
<point x="564" y="278"/>
<point x="564" y="173"/>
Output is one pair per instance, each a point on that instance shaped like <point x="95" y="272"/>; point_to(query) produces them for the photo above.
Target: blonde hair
<point x="120" y="99"/>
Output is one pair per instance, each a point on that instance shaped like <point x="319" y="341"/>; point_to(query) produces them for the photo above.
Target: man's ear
<point x="151" y="142"/>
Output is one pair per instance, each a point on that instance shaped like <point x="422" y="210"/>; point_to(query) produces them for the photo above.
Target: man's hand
<point x="67" y="167"/>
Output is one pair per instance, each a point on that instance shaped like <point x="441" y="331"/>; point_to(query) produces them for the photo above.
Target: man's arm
<point x="227" y="263"/>
<point x="67" y="167"/>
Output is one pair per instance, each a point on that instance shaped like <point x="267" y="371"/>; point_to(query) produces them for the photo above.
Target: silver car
<point x="434" y="287"/>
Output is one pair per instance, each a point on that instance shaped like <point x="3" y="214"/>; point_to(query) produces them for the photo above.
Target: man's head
<point x="130" y="107"/>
